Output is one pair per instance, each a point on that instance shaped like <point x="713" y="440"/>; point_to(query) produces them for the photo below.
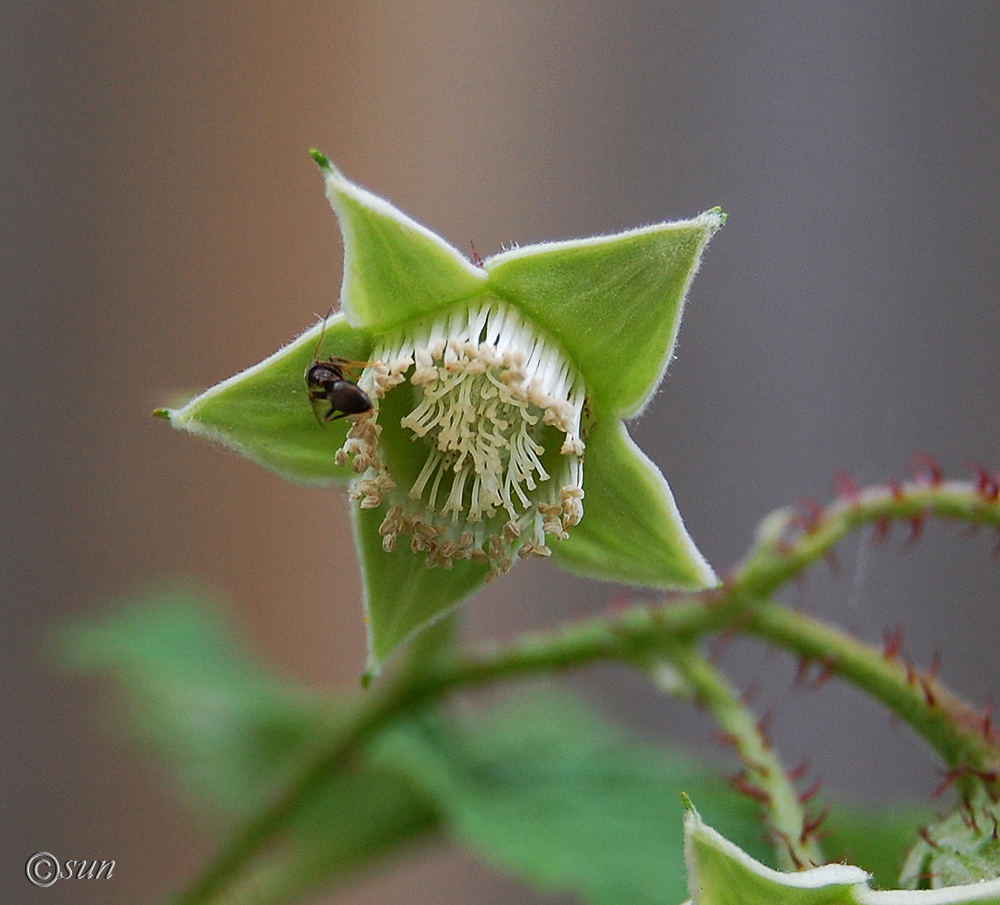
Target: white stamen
<point x="489" y="392"/>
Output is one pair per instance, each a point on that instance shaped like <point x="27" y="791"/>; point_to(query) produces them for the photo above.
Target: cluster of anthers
<point x="499" y="410"/>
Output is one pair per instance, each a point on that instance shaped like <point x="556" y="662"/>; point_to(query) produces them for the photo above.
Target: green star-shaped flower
<point x="484" y="393"/>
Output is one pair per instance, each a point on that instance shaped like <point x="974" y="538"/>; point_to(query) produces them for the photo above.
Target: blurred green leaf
<point x="229" y="728"/>
<point x="357" y="817"/>
<point x="544" y="788"/>
<point x="236" y="735"/>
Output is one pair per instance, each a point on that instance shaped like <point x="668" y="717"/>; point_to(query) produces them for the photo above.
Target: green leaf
<point x="228" y="728"/>
<point x="614" y="302"/>
<point x="356" y="818"/>
<point x="265" y="413"/>
<point x="631" y="531"/>
<point x="547" y="790"/>
<point x="237" y="735"/>
<point x="395" y="270"/>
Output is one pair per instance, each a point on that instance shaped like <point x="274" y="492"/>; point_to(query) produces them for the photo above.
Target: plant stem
<point x="791" y="539"/>
<point x="957" y="732"/>
<point x="764" y="776"/>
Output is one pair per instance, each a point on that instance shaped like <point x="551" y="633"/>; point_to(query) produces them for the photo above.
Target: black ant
<point x="326" y="380"/>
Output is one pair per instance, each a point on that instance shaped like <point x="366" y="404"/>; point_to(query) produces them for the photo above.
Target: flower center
<point x="497" y="410"/>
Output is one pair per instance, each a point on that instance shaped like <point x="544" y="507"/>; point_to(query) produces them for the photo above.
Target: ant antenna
<point x="322" y="333"/>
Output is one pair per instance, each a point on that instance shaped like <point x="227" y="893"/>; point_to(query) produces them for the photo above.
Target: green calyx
<point x="494" y="397"/>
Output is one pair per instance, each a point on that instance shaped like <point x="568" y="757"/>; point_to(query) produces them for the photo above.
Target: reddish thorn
<point x="809" y="516"/>
<point x="987" y="485"/>
<point x="764" y="728"/>
<point x="802" y="672"/>
<point x="725" y="738"/>
<point x="619" y="602"/>
<point x="925" y="685"/>
<point x="750" y="693"/>
<point x="740" y="784"/>
<point x="825" y="674"/>
<point x="784" y="838"/>
<point x="896" y="489"/>
<point x="721" y="643"/>
<point x="810" y="793"/>
<point x="925" y="834"/>
<point x="883" y="525"/>
<point x="996" y="823"/>
<point x="799" y="771"/>
<point x="796" y="860"/>
<point x="810" y="826"/>
<point x="927" y="470"/>
<point x="477" y="258"/>
<point x="970" y="811"/>
<point x="935" y="666"/>
<point x="950" y="777"/>
<point x="893" y="643"/>
<point x="911" y="672"/>
<point x="988" y="718"/>
<point x="916" y="530"/>
<point x="845" y="487"/>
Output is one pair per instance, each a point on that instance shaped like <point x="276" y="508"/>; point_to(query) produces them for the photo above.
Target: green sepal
<point x="614" y="302"/>
<point x="395" y="270"/>
<point x="265" y="413"/>
<point x="721" y="873"/>
<point x="631" y="531"/>
<point x="403" y="595"/>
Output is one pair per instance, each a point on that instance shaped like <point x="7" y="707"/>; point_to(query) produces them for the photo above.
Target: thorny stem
<point x="964" y="738"/>
<point x="763" y="776"/>
<point x="787" y="543"/>
<point x="790" y="539"/>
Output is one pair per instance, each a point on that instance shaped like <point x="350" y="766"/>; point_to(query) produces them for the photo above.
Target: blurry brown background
<point x="162" y="226"/>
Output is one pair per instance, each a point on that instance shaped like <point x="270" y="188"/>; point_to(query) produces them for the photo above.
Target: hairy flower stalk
<point x="494" y="401"/>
